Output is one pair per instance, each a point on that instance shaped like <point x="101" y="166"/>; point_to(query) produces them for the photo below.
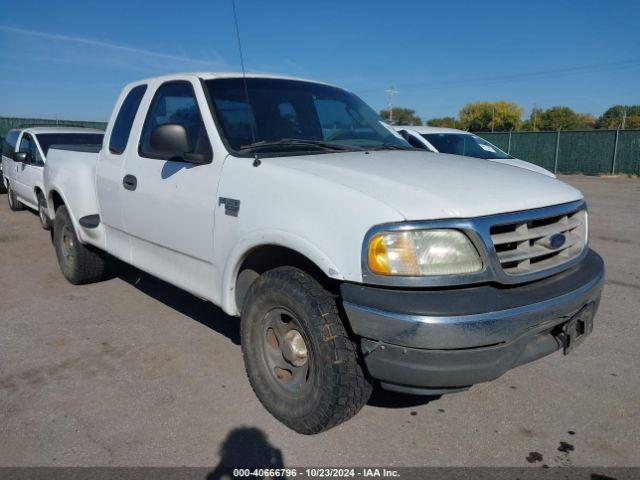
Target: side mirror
<point x="22" y="157"/>
<point x="173" y="139"/>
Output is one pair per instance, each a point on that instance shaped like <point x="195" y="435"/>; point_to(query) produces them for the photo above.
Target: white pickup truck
<point x="351" y="257"/>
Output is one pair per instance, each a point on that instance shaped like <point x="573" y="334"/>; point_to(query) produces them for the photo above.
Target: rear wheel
<point x="299" y="358"/>
<point x="15" y="205"/>
<point x="42" y="213"/>
<point x="79" y="263"/>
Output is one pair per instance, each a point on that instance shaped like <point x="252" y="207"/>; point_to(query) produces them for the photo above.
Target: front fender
<point x="263" y="238"/>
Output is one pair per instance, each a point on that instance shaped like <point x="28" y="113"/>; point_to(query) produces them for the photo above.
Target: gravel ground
<point x="133" y="371"/>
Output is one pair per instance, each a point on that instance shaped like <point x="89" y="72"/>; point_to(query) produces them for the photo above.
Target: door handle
<point x="130" y="182"/>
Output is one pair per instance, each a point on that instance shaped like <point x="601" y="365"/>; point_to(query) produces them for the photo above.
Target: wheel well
<point x="38" y="192"/>
<point x="56" y="200"/>
<point x="268" y="257"/>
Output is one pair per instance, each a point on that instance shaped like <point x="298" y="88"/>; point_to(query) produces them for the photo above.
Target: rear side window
<point x="124" y="120"/>
<point x="9" y="144"/>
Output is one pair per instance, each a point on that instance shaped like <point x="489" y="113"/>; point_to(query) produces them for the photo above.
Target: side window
<point x="124" y="120"/>
<point x="175" y="103"/>
<point x="25" y="143"/>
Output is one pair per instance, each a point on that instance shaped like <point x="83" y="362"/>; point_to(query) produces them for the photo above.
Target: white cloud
<point x="218" y="61"/>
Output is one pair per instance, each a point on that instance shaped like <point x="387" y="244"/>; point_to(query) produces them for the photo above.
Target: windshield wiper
<point x="296" y="142"/>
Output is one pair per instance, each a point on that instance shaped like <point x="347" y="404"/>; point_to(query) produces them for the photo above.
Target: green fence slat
<point x="589" y="152"/>
<point x="628" y="156"/>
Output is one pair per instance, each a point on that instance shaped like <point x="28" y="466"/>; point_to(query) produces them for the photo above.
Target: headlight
<point x="422" y="252"/>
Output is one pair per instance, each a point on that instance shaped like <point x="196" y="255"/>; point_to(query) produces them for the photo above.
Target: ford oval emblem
<point x="557" y="240"/>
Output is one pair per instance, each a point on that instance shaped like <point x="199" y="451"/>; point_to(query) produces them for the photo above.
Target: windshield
<point x="464" y="144"/>
<point x="291" y="115"/>
<point x="48" y="139"/>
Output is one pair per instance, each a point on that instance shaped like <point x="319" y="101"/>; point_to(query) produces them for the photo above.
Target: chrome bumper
<point x="553" y="301"/>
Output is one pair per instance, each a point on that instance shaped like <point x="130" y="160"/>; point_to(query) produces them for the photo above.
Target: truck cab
<point x="352" y="258"/>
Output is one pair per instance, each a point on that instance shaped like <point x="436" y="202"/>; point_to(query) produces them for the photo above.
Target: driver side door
<point x="21" y="183"/>
<point x="169" y="203"/>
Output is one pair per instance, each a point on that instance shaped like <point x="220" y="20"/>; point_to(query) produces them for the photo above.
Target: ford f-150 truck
<point x="350" y="257"/>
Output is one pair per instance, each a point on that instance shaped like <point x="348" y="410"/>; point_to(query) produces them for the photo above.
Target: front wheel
<point x="79" y="263"/>
<point x="299" y="358"/>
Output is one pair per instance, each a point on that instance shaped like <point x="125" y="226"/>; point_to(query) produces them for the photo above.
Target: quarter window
<point x="175" y="103"/>
<point x="124" y="120"/>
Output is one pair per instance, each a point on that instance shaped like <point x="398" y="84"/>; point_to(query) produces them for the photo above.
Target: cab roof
<point x="214" y="75"/>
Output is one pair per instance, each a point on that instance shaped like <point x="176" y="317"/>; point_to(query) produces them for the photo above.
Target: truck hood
<point x="432" y="186"/>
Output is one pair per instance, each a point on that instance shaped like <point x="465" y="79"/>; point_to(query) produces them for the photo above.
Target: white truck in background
<point x="24" y="154"/>
<point x="351" y="257"/>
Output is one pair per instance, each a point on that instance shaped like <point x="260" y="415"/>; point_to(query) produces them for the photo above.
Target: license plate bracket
<point x="578" y="328"/>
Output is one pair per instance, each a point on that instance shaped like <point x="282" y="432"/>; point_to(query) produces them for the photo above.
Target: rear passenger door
<point x="109" y="171"/>
<point x="169" y="203"/>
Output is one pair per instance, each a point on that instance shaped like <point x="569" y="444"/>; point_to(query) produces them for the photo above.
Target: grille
<point x="536" y="244"/>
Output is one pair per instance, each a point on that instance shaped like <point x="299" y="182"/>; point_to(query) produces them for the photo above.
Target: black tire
<point x="80" y="264"/>
<point x="15" y="205"/>
<point x="43" y="214"/>
<point x="333" y="388"/>
<point x="3" y="188"/>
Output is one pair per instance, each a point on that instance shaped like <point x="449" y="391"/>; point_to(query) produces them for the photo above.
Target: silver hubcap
<point x="294" y="349"/>
<point x="285" y="350"/>
<point x="67" y="243"/>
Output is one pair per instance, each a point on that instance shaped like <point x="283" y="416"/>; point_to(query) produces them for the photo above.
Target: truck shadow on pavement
<point x="187" y="304"/>
<point x="246" y="447"/>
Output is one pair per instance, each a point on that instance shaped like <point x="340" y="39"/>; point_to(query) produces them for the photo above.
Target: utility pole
<point x="390" y="93"/>
<point x="624" y="118"/>
<point x="535" y="115"/>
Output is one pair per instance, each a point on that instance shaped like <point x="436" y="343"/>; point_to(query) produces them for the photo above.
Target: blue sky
<point x="69" y="59"/>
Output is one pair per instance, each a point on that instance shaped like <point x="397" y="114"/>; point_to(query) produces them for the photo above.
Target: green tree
<point x="446" y="122"/>
<point x="402" y="116"/>
<point x="613" y="117"/>
<point x="486" y="116"/>
<point x="587" y="121"/>
<point x="559" y="118"/>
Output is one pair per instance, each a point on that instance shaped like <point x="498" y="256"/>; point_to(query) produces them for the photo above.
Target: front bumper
<point x="431" y="341"/>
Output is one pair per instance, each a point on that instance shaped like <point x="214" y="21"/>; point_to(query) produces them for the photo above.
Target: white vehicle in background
<point x="349" y="256"/>
<point x="459" y="142"/>
<point x="24" y="154"/>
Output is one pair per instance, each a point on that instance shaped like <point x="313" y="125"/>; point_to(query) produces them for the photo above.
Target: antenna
<point x="390" y="93"/>
<point x="256" y="160"/>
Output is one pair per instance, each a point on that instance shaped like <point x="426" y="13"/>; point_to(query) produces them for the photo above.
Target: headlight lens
<point x="422" y="252"/>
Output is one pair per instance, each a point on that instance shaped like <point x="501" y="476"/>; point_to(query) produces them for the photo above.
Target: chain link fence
<point x="590" y="151"/>
<point x="7" y="123"/>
